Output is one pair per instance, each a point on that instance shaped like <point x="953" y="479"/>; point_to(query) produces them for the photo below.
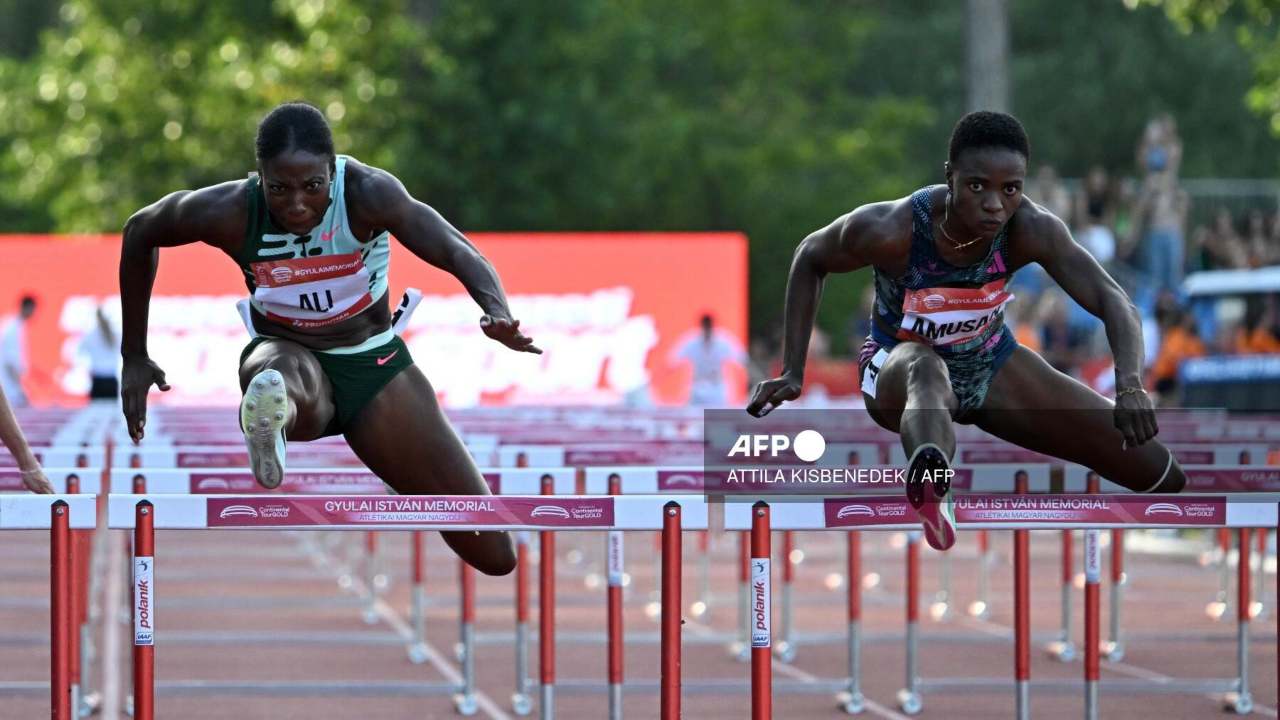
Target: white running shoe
<point x="262" y="416"/>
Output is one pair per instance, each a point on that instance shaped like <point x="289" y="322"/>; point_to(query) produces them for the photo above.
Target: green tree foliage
<point x="1255" y="25"/>
<point x="127" y="101"/>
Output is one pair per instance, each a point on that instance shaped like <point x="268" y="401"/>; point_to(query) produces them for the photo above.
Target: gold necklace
<point x="943" y="227"/>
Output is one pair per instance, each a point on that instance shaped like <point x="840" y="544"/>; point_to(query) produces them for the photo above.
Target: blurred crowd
<point x="1136" y="224"/>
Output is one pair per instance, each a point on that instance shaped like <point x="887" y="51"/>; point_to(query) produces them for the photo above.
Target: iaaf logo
<point x="933" y="302"/>
<point x="808" y="445"/>
<point x="213" y="484"/>
<point x="1190" y="510"/>
<point x="689" y="480"/>
<point x="855" y="511"/>
<point x="281" y="274"/>
<point x="549" y="511"/>
<point x="238" y="511"/>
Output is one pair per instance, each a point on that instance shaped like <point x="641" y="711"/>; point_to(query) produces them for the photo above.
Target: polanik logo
<point x="808" y="445"/>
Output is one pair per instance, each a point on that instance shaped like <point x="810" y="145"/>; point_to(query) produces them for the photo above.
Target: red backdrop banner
<point x="607" y="309"/>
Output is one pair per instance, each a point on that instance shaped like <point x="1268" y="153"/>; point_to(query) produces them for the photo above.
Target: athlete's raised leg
<point x="913" y="397"/>
<point x="286" y="396"/>
<point x="1033" y="405"/>
<point x="403" y="436"/>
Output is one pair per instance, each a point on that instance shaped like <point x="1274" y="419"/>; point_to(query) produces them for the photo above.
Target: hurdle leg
<point x="60" y="612"/>
<point x="761" y="632"/>
<point x="741" y="649"/>
<point x="75" y="603"/>
<point x="144" y="622"/>
<point x="1218" y="608"/>
<point x="614" y="549"/>
<point x="370" y="612"/>
<point x="1258" y="607"/>
<point x="702" y="608"/>
<point x="909" y="700"/>
<point x="1063" y="649"/>
<point x="981" y="607"/>
<point x="1022" y="621"/>
<point x="1114" y="648"/>
<point x="1092" y="576"/>
<point x="521" y="703"/>
<point x="672" y="575"/>
<point x="418" y="607"/>
<point x="852" y="700"/>
<point x="1241" y="701"/>
<point x="786" y="649"/>
<point x="546" y="623"/>
<point x="465" y="701"/>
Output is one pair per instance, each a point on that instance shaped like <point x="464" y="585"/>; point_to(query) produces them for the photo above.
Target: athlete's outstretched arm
<point x="167" y="223"/>
<point x="385" y="203"/>
<point x="833" y="249"/>
<point x="1080" y="275"/>
<point x="12" y="437"/>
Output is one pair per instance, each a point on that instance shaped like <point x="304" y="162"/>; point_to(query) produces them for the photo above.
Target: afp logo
<point x="808" y="445"/>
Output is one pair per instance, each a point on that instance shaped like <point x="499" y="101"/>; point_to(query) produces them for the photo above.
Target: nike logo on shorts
<point x="387" y="359"/>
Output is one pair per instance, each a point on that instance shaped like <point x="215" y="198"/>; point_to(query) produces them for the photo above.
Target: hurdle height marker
<point x="1092" y="576"/>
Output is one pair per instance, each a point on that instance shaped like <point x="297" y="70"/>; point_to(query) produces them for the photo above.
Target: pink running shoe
<point x="929" y="492"/>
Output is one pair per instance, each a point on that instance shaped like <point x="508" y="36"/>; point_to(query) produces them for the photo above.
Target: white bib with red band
<point x="946" y="316"/>
<point x="311" y="292"/>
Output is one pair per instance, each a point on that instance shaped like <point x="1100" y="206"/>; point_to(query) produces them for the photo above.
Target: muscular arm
<point x="1076" y="271"/>
<point x="851" y="242"/>
<point x="383" y="202"/>
<point x="181" y="218"/>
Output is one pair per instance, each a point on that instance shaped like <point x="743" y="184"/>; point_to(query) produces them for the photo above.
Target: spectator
<point x="1160" y="150"/>
<point x="103" y="350"/>
<point x="1046" y="190"/>
<point x="1229" y="249"/>
<point x="1257" y="334"/>
<point x="1095" y="213"/>
<point x="1257" y="242"/>
<point x="1161" y="207"/>
<point x="13" y="352"/>
<point x="1180" y="340"/>
<point x="707" y="351"/>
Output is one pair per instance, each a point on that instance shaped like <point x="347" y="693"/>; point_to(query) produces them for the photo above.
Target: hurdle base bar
<point x="288" y="688"/>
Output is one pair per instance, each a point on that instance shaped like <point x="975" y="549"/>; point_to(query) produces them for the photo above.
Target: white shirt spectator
<point x="708" y="356"/>
<point x="103" y="354"/>
<point x="13" y="359"/>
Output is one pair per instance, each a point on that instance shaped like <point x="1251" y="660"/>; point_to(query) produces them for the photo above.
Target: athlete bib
<point x="312" y="292"/>
<point x="946" y="316"/>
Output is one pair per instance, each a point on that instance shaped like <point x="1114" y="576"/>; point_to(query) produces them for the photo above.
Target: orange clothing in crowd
<point x="1177" y="345"/>
<point x="1259" y="341"/>
<point x="1027" y="336"/>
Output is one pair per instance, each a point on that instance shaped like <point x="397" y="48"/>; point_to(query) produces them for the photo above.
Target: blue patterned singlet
<point x="958" y="311"/>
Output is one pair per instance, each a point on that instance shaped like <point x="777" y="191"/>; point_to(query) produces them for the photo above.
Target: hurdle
<point x="1200" y="479"/>
<point x="146" y="513"/>
<point x="328" y="481"/>
<point x="60" y="515"/>
<point x="1022" y="514"/>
